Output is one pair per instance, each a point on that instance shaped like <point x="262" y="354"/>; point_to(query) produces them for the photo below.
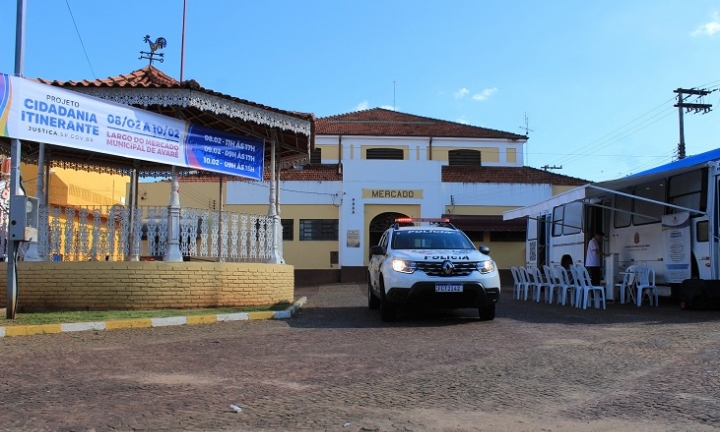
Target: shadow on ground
<point x="345" y="306"/>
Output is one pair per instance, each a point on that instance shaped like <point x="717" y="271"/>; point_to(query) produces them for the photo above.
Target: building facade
<point x="371" y="166"/>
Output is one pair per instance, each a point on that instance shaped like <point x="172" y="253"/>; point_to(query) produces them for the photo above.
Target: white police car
<point x="434" y="264"/>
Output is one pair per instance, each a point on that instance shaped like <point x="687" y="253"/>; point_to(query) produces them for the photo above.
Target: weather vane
<point x="159" y="43"/>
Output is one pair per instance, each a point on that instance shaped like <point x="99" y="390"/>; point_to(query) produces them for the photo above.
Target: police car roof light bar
<point x="412" y="221"/>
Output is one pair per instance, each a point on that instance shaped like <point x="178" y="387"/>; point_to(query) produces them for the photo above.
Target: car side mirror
<point x="377" y="250"/>
<point x="484" y="249"/>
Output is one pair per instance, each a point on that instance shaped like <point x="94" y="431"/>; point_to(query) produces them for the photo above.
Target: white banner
<point x="33" y="111"/>
<point x="676" y="247"/>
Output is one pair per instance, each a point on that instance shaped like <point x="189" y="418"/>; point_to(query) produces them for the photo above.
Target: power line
<point x="67" y="2"/>
<point x="616" y="131"/>
<point x="577" y="156"/>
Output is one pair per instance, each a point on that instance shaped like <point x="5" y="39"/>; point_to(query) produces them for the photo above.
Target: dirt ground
<point x="338" y="367"/>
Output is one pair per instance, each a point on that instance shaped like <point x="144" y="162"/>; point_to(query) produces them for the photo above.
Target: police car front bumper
<point x="426" y="293"/>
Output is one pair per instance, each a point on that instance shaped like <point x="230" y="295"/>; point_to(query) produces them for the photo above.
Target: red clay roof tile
<point x="483" y="174"/>
<point x="383" y="122"/>
<point x="450" y="174"/>
<point x="152" y="77"/>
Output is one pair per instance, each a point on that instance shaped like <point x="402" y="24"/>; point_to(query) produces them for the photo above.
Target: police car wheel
<point x="373" y="302"/>
<point x="388" y="310"/>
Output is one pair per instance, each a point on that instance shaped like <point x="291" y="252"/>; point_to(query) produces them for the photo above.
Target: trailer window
<point x="557" y="221"/>
<point x="651" y="212"/>
<point x="532" y="229"/>
<point x="701" y="232"/>
<point x="689" y="190"/>
<point x="623" y="206"/>
<point x="573" y="218"/>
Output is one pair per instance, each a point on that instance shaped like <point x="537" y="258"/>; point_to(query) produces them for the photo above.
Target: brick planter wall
<point x="45" y="286"/>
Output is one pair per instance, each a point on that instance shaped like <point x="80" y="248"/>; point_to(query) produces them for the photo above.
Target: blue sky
<point x="595" y="79"/>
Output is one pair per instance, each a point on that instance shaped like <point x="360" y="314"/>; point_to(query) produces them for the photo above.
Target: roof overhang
<point x="597" y="191"/>
<point x="577" y="194"/>
<point x="589" y="194"/>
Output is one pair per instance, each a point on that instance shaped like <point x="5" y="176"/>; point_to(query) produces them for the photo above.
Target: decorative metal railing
<point x="125" y="233"/>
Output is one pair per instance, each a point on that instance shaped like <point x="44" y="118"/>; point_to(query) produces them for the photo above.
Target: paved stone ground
<point x="337" y="367"/>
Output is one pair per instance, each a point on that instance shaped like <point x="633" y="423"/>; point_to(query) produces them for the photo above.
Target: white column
<point x="173" y="254"/>
<point x="275" y="255"/>
<point x="35" y="251"/>
<point x="278" y="226"/>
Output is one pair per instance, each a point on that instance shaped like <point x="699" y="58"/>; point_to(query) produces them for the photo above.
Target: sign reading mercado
<point x="34" y="111"/>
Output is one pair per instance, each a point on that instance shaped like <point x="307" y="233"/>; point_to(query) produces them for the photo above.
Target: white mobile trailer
<point x="630" y="211"/>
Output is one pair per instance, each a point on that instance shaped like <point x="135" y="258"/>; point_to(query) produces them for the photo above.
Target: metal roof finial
<point x="159" y="43"/>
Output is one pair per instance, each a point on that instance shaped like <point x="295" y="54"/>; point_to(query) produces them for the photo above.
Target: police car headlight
<point x="485" y="267"/>
<point x="403" y="266"/>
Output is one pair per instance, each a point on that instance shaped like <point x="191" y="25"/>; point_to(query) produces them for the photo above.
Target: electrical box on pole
<point x="24" y="217"/>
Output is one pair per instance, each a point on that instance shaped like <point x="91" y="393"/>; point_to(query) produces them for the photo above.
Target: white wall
<point x="416" y="173"/>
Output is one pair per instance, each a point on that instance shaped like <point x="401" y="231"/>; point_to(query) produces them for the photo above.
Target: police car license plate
<point x="448" y="288"/>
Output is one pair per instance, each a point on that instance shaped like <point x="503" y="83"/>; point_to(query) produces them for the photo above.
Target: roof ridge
<point x="425" y="120"/>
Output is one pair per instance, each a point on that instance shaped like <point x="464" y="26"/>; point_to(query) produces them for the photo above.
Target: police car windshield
<point x="430" y="239"/>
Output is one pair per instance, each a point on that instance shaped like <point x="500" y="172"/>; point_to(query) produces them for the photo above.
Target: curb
<point x="28" y="330"/>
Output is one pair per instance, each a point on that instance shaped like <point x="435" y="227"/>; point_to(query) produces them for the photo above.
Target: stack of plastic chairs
<point x="566" y="286"/>
<point x="554" y="285"/>
<point x="525" y="283"/>
<point x="537" y="282"/>
<point x="586" y="289"/>
<point x="517" y="282"/>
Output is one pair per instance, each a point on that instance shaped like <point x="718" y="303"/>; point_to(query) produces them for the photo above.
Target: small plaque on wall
<point x="353" y="238"/>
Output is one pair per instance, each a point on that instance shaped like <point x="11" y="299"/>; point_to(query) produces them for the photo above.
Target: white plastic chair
<point x="536" y="282"/>
<point x="525" y="283"/>
<point x="586" y="289"/>
<point x="627" y="285"/>
<point x="646" y="285"/>
<point x="553" y="284"/>
<point x="517" y="282"/>
<point x="565" y="286"/>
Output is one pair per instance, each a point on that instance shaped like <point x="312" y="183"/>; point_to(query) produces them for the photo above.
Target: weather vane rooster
<point x="159" y="43"/>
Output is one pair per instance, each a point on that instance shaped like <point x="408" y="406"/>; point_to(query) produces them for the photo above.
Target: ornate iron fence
<point x="124" y="233"/>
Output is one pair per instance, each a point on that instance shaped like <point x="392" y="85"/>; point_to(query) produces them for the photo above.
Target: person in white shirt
<point x="594" y="256"/>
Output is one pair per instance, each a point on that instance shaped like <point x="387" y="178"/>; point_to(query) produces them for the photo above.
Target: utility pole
<point x="694" y="107"/>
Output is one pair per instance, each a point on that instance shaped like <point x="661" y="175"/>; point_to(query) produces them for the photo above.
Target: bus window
<point x="622" y="217"/>
<point x="689" y="190"/>
<point x="532" y="229"/>
<point x="557" y="221"/>
<point x="651" y="212"/>
<point x="701" y="231"/>
<point x="573" y="218"/>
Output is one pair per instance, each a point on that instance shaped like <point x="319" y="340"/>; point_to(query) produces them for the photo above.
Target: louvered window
<point x="465" y="157"/>
<point x="318" y="229"/>
<point x="385" y="153"/>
